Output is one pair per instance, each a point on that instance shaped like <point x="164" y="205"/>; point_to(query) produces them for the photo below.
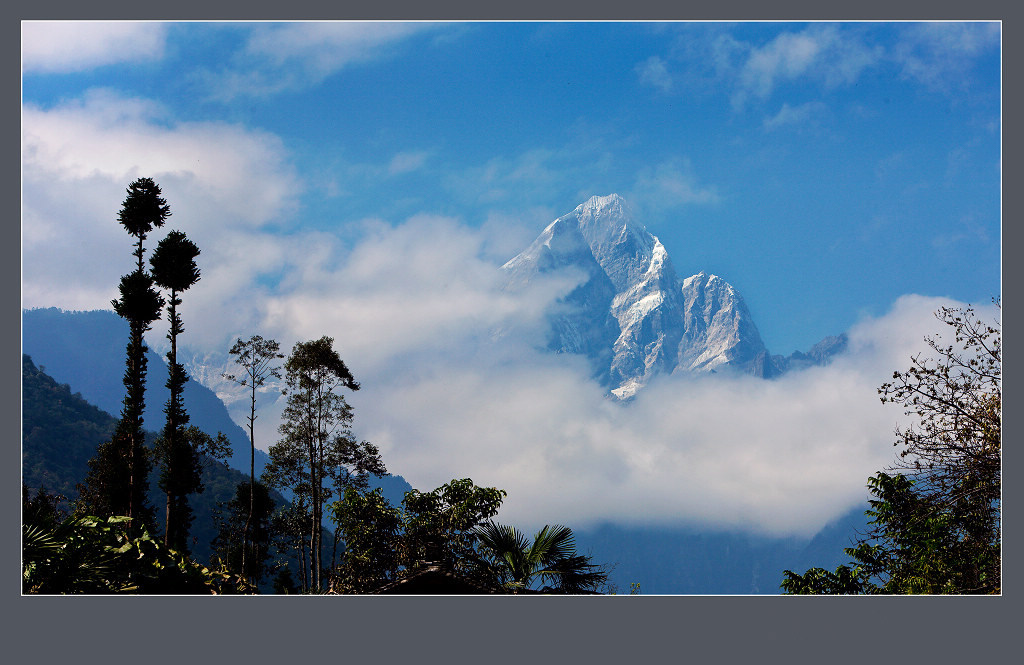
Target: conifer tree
<point x="117" y="482"/>
<point x="174" y="268"/>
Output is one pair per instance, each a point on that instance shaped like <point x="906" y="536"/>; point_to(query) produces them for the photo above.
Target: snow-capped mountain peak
<point x="634" y="317"/>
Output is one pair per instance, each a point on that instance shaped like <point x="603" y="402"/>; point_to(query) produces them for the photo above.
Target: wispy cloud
<point x="405" y="162"/>
<point x="504" y="179"/>
<point x="970" y="229"/>
<point x="672" y="184"/>
<point x="800" y="115"/>
<point x="821" y="53"/>
<point x="941" y="54"/>
<point x="75" y="46"/>
<point x="653" y="71"/>
<point x="287" y="56"/>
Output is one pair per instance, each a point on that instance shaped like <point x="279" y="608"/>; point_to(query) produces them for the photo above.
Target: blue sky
<point x="345" y="178"/>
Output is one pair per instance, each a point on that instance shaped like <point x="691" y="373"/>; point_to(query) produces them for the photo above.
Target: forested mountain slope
<point x="60" y="434"/>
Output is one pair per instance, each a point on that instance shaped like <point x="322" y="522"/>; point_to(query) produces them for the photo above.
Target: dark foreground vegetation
<point x="936" y="515"/>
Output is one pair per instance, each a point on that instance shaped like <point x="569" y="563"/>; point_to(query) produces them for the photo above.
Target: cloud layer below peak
<point x="779" y="457"/>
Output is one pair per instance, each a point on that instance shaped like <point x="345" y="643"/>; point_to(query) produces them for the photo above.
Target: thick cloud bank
<point x="779" y="457"/>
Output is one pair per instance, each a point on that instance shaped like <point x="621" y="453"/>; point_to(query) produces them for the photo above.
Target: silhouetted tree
<point x="440" y="525"/>
<point x="258" y="358"/>
<point x="117" y="482"/>
<point x="517" y="562"/>
<point x="174" y="268"/>
<point x="316" y="440"/>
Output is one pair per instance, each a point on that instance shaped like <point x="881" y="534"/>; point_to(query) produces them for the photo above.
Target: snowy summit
<point x="633" y="317"/>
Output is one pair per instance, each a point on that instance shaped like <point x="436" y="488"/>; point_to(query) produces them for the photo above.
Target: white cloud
<point x="74" y="46"/>
<point x="778" y="457"/>
<point x="417" y="289"/>
<point x="652" y="71"/>
<point x="787" y="56"/>
<point x="330" y="45"/>
<point x="403" y="301"/>
<point x="221" y="182"/>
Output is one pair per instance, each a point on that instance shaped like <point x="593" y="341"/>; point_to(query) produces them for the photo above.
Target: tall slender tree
<point x="174" y="268"/>
<point x="117" y="483"/>
<point x="316" y="439"/>
<point x="257" y="358"/>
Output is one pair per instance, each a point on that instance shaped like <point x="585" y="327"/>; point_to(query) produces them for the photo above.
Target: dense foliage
<point x="450" y="527"/>
<point x="95" y="555"/>
<point x="437" y="527"/>
<point x="372" y="530"/>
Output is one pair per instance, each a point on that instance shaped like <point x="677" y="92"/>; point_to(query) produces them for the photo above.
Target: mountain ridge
<point x="85" y="349"/>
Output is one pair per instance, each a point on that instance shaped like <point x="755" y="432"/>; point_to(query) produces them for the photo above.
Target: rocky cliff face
<point x="718" y="328"/>
<point x="632" y="315"/>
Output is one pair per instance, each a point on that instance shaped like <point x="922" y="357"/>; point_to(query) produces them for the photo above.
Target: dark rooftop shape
<point x="433" y="579"/>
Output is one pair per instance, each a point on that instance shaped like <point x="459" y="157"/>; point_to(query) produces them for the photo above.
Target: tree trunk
<point x="137" y="417"/>
<point x="167" y="521"/>
<point x="314" y="483"/>
<point x="252" y="475"/>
